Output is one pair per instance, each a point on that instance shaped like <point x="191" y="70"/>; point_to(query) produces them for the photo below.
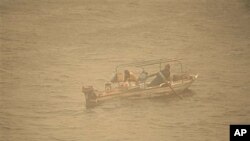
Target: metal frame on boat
<point x="150" y="62"/>
<point x="140" y="89"/>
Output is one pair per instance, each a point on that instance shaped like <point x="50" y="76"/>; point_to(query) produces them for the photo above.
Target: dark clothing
<point x="143" y="76"/>
<point x="126" y="75"/>
<point x="161" y="77"/>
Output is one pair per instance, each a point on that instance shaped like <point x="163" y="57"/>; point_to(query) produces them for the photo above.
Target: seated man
<point x="127" y="76"/>
<point x="143" y="76"/>
<point x="161" y="77"/>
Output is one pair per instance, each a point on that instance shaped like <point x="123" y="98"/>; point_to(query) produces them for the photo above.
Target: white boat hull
<point x="150" y="92"/>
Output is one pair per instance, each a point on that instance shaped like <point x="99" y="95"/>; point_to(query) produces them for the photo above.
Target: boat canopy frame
<point x="141" y="64"/>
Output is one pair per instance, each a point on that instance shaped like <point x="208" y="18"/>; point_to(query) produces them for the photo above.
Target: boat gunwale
<point x="176" y="85"/>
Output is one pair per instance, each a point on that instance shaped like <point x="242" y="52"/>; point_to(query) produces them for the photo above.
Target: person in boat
<point x="161" y="76"/>
<point x="143" y="76"/>
<point x="142" y="79"/>
<point x="127" y="76"/>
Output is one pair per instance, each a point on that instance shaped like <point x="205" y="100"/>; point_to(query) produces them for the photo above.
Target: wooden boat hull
<point x="93" y="97"/>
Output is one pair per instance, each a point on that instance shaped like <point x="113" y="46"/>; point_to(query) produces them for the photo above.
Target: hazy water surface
<point x="49" y="49"/>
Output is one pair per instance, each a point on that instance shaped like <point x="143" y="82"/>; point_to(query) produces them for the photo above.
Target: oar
<point x="173" y="90"/>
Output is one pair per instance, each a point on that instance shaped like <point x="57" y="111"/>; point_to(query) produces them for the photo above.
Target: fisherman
<point x="129" y="76"/>
<point x="126" y="75"/>
<point x="125" y="79"/>
<point x="143" y="76"/>
<point x="161" y="77"/>
<point x="142" y="79"/>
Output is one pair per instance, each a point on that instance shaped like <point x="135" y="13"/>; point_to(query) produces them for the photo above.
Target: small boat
<point x="139" y="83"/>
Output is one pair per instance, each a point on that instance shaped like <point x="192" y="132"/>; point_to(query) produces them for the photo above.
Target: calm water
<point x="50" y="49"/>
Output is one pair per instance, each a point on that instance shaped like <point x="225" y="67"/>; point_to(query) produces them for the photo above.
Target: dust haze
<point x="49" y="49"/>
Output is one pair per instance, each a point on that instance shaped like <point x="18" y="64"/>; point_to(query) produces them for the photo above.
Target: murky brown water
<point x="49" y="49"/>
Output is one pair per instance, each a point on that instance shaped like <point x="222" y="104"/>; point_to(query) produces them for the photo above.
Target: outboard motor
<point x="90" y="96"/>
